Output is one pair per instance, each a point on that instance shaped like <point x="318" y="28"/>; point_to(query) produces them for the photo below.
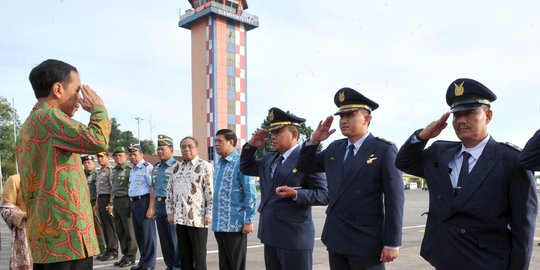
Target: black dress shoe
<point x="120" y="261"/>
<point x="136" y="267"/>
<point x="109" y="255"/>
<point x="127" y="262"/>
<point x="100" y="256"/>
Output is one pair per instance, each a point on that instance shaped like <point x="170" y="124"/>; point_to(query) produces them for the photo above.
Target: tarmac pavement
<point x="416" y="203"/>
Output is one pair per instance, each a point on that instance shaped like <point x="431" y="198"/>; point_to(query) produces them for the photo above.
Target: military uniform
<point x="362" y="174"/>
<point x="285" y="225"/>
<point x="91" y="178"/>
<point x="122" y="211"/>
<point x="142" y="197"/>
<point x="481" y="213"/>
<point x="167" y="232"/>
<point x="104" y="199"/>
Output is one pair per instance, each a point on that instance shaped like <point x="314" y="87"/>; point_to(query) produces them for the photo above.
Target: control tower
<point x="218" y="68"/>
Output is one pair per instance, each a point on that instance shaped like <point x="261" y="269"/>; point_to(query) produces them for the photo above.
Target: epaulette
<point x="511" y="145"/>
<point x="157" y="163"/>
<point x="146" y="163"/>
<point x="384" y="140"/>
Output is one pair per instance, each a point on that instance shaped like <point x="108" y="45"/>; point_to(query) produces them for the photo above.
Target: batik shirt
<point x="189" y="192"/>
<point x="60" y="223"/>
<point x="235" y="196"/>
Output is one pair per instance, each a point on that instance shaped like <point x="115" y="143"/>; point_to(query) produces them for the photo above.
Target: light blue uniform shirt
<point x="140" y="179"/>
<point x="235" y="196"/>
<point x="160" y="177"/>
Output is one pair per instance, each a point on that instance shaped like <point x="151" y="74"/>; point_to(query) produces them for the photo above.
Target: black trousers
<point x="107" y="223"/>
<point x="345" y="262"/>
<point x="192" y="245"/>
<point x="232" y="247"/>
<point x="287" y="259"/>
<point x="82" y="264"/>
<point x="124" y="226"/>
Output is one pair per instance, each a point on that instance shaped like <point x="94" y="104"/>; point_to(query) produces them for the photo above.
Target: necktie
<point x="278" y="162"/>
<point x="464" y="170"/>
<point x="348" y="160"/>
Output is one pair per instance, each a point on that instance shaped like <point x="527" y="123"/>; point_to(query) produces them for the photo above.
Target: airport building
<point x="218" y="68"/>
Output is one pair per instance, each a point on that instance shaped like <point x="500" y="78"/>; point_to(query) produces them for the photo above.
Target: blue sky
<point x="402" y="54"/>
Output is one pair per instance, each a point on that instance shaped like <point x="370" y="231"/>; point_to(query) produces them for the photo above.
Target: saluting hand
<point x="434" y="128"/>
<point x="323" y="131"/>
<point x="90" y="98"/>
<point x="259" y="138"/>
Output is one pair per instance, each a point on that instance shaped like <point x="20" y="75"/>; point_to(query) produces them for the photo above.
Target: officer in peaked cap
<point x="134" y="147"/>
<point x="160" y="179"/>
<point x="164" y="140"/>
<point x="141" y="192"/>
<point x="358" y="163"/>
<point x="120" y="149"/>
<point x="288" y="239"/>
<point x="279" y="119"/>
<point x="466" y="94"/>
<point x="121" y="207"/>
<point x="472" y="183"/>
<point x="349" y="100"/>
<point x="87" y="157"/>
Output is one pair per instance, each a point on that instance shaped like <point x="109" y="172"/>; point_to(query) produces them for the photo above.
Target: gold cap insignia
<point x="271" y="115"/>
<point x="294" y="170"/>
<point x="342" y="96"/>
<point x="458" y="89"/>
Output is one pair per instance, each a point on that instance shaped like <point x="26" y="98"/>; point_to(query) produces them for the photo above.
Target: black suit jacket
<point x="530" y="156"/>
<point x="285" y="223"/>
<point x="365" y="211"/>
<point x="472" y="229"/>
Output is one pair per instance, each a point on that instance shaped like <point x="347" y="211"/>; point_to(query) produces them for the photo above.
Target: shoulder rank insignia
<point x="385" y="140"/>
<point x="146" y="163"/>
<point x="513" y="146"/>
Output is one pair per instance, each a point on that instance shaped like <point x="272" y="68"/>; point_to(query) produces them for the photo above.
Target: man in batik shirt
<point x="189" y="204"/>
<point x="235" y="201"/>
<point x="60" y="222"/>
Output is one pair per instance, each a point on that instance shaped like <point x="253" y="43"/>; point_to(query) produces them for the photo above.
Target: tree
<point x="305" y="133"/>
<point x="148" y="147"/>
<point x="7" y="139"/>
<point x="125" y="138"/>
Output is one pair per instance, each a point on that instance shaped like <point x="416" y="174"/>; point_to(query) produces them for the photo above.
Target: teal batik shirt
<point x="235" y="196"/>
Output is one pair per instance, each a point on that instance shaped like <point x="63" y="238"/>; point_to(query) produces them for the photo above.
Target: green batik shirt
<point x="60" y="225"/>
<point x="120" y="180"/>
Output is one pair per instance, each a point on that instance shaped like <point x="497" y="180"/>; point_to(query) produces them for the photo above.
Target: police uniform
<point x="91" y="178"/>
<point x="285" y="225"/>
<point x="365" y="212"/>
<point x="142" y="197"/>
<point x="166" y="231"/>
<point x="122" y="211"/>
<point x="104" y="199"/>
<point x="483" y="219"/>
